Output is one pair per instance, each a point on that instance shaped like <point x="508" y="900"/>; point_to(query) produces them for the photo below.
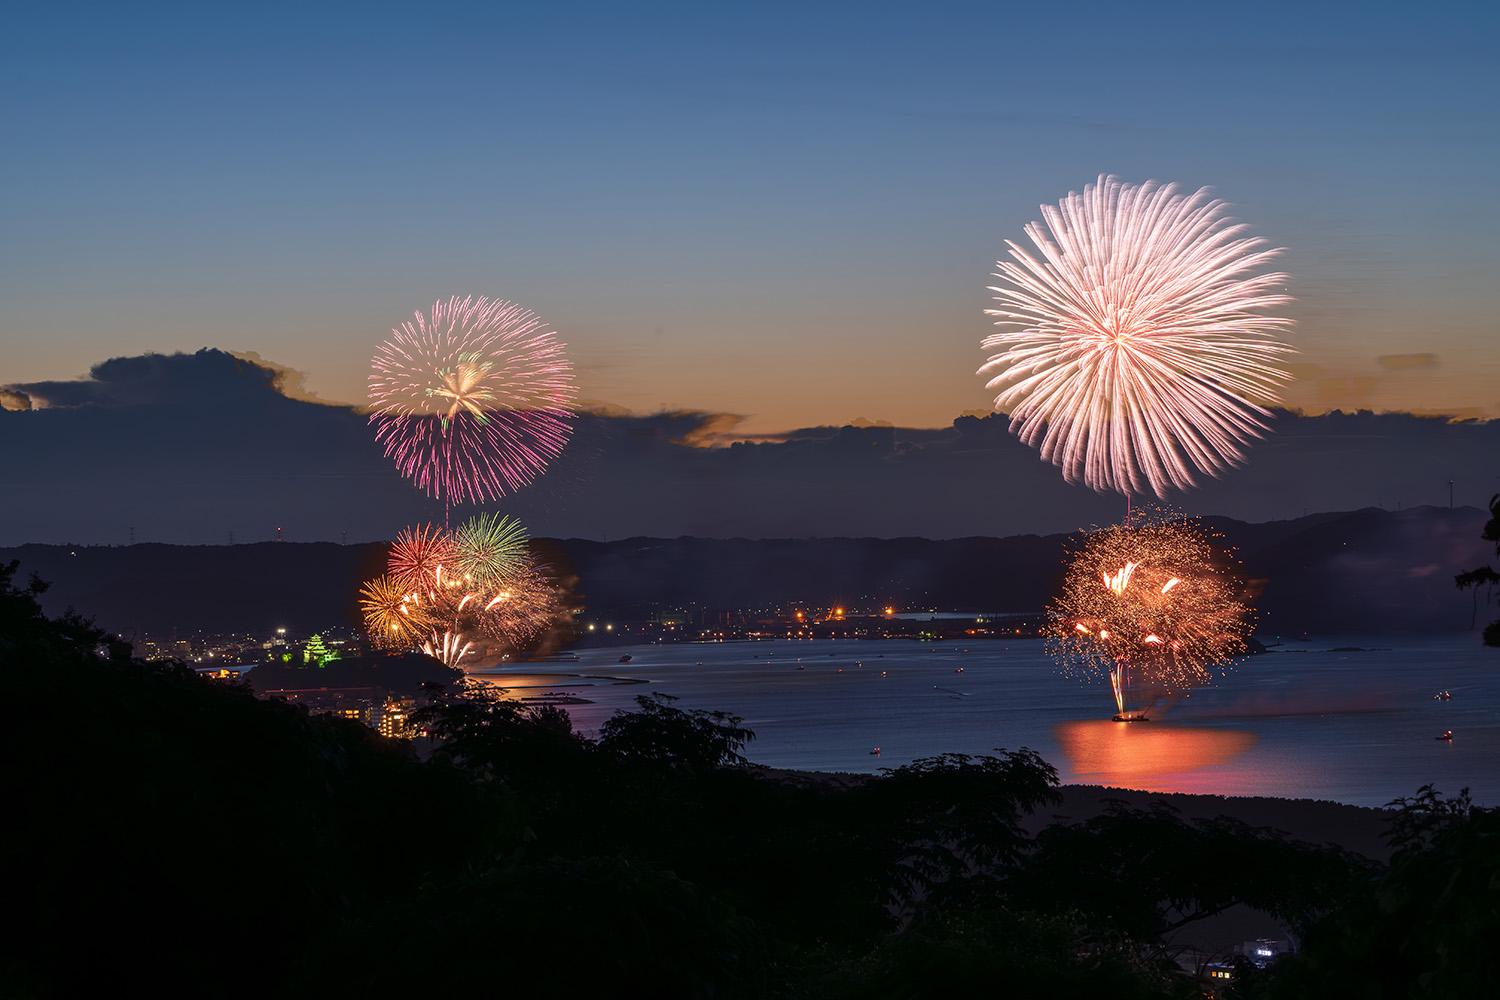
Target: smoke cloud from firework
<point x="1136" y="347"/>
<point x="473" y="400"/>
<point x="1153" y="605"/>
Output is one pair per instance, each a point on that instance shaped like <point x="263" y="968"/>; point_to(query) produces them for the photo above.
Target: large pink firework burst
<point x="473" y="400"/>
<point x="1135" y="346"/>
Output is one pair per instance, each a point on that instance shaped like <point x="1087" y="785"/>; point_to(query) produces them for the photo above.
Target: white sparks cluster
<point x="1135" y="346"/>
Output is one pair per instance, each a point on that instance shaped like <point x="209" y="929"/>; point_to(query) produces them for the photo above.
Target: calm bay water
<point x="1304" y="721"/>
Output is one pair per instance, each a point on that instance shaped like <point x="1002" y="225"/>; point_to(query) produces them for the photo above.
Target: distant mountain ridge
<point x="1368" y="570"/>
<point x="209" y="446"/>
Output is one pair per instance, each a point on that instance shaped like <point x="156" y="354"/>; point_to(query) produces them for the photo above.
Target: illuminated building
<point x="394" y="718"/>
<point x="317" y="652"/>
<point x="1218" y="974"/>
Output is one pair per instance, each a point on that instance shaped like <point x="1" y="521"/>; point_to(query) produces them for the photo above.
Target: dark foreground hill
<point x="210" y="843"/>
<point x="398" y="674"/>
<point x="1369" y="570"/>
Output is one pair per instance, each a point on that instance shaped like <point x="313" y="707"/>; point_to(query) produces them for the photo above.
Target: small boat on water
<point x="1446" y="736"/>
<point x="626" y="658"/>
<point x="958" y="670"/>
<point x="884" y="673"/>
<point x="1443" y="696"/>
<point x="874" y="751"/>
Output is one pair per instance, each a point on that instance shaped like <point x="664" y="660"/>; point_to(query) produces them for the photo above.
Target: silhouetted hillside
<point x="1366" y="570"/>
<point x="394" y="674"/>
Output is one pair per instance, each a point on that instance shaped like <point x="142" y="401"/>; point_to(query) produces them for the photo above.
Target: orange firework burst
<point x="394" y="616"/>
<point x="1151" y="604"/>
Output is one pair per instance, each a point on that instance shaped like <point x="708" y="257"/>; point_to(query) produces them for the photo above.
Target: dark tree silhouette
<point x="950" y="819"/>
<point x="169" y="819"/>
<point x="211" y="843"/>
<point x="663" y="734"/>
<point x="1425" y="929"/>
<point x="1485" y="576"/>
<point x="1143" y="871"/>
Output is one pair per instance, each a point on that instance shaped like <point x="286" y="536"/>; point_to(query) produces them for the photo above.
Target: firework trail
<point x="473" y="400"/>
<point x="1135" y="345"/>
<point x="1153" y="605"/>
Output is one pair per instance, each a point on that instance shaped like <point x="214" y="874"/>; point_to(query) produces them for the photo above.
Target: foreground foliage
<point x="180" y="836"/>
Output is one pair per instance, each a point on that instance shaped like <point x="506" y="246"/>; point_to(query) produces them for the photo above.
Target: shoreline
<point x="1360" y="829"/>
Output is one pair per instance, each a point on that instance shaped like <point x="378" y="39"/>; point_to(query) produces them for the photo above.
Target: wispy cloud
<point x="1406" y="362"/>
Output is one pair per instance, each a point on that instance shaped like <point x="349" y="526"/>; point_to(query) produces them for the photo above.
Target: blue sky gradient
<point x="782" y="210"/>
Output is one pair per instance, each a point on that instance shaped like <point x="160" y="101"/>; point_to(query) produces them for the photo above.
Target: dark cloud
<point x="288" y="381"/>
<point x="1452" y="413"/>
<point x="189" y="448"/>
<point x="167" y="380"/>
<point x="1406" y="362"/>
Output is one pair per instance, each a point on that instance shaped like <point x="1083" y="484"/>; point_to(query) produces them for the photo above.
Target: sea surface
<point x="1349" y="719"/>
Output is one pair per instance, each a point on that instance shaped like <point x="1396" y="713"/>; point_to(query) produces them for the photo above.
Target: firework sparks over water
<point x="1153" y="606"/>
<point x="444" y="593"/>
<point x="473" y="400"/>
<point x="1136" y="348"/>
<point x="446" y="600"/>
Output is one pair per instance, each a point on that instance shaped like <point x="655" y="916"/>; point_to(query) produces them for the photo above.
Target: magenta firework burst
<point x="1135" y="347"/>
<point x="472" y="400"/>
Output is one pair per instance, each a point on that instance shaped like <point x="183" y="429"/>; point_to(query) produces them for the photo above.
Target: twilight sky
<point x="205" y="448"/>
<point x="786" y="211"/>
